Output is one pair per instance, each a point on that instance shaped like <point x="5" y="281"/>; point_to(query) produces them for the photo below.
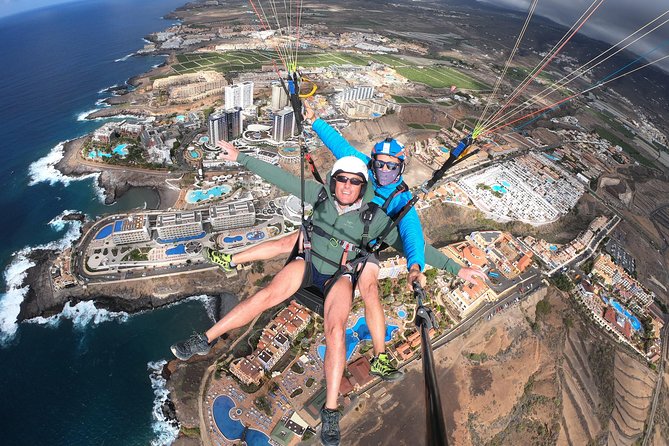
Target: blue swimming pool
<point x="118" y="225"/>
<point x="177" y="250"/>
<point x="356" y="334"/>
<point x="445" y="149"/>
<point x="255" y="235"/>
<point x="402" y="314"/>
<point x="121" y="149"/>
<point x="194" y="154"/>
<point x="203" y="139"/>
<point x="553" y="248"/>
<point x="233" y="429"/>
<point x="498" y="188"/>
<point x="505" y="184"/>
<point x="181" y="118"/>
<point x="104" y="232"/>
<point x="182" y="239"/>
<point x="636" y="325"/>
<point x="98" y="154"/>
<point x="195" y="196"/>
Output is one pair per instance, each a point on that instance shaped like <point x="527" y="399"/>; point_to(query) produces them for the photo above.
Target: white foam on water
<point x="83" y="116"/>
<point x="44" y="169"/>
<point x="15" y="274"/>
<point x="105" y="90"/>
<point x="82" y="315"/>
<point x="166" y="430"/>
<point x="124" y="58"/>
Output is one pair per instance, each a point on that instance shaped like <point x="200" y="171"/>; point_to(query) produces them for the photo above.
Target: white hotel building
<point x="179" y="225"/>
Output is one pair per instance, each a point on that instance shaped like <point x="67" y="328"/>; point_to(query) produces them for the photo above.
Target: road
<point x="658" y="387"/>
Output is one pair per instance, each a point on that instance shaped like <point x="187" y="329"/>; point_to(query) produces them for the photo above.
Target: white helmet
<point x="350" y="164"/>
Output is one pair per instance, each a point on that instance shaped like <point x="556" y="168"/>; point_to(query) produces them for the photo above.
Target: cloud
<point x="613" y="20"/>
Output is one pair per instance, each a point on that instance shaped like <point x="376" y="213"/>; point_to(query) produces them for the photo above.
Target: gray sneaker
<point x="195" y="345"/>
<point x="330" y="427"/>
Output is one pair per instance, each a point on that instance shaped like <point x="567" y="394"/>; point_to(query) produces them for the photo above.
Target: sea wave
<point x="166" y="430"/>
<point x="108" y="89"/>
<point x="124" y="58"/>
<point x="82" y="315"/>
<point x="83" y="116"/>
<point x="102" y="102"/>
<point x="44" y="169"/>
<point x="15" y="274"/>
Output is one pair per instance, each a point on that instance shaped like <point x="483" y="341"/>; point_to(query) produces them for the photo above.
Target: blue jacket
<point x="409" y="227"/>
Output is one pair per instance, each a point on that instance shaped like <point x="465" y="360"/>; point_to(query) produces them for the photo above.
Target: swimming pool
<point x="553" y="248"/>
<point x="402" y="314"/>
<point x="98" y="154"/>
<point x="203" y="139"/>
<point x="356" y="334"/>
<point x="233" y="429"/>
<point x="194" y="154"/>
<point x="177" y="250"/>
<point x="498" y="188"/>
<point x="235" y="239"/>
<point x="255" y="235"/>
<point x="636" y="325"/>
<point x="181" y="118"/>
<point x="121" y="149"/>
<point x="104" y="232"/>
<point x="195" y="196"/>
<point x="505" y="184"/>
<point x="445" y="150"/>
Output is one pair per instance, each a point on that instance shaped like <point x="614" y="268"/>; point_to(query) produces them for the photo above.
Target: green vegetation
<point x="247" y="60"/>
<point x="263" y="405"/>
<point x="190" y="432"/>
<point x="310" y="382"/>
<point x="476" y="357"/>
<point x="418" y="126"/>
<point x="543" y="309"/>
<point x="613" y="139"/>
<point x="297" y="368"/>
<point x="137" y="256"/>
<point x="296" y="392"/>
<point x="588" y="265"/>
<point x="562" y="282"/>
<point x="409" y="100"/>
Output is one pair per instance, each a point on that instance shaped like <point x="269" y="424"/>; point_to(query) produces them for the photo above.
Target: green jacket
<point x="348" y="226"/>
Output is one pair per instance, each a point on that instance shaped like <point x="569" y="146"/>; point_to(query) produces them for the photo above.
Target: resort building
<point x="134" y="229"/>
<point x="191" y="87"/>
<point x="247" y="371"/>
<point x="283" y="126"/>
<point x="225" y="125"/>
<point x="357" y="93"/>
<point x="237" y="214"/>
<point x="468" y="297"/>
<point x="279" y="96"/>
<point x="630" y="290"/>
<point x="179" y="225"/>
<point x="392" y="267"/>
<point x="104" y="134"/>
<point x="239" y="95"/>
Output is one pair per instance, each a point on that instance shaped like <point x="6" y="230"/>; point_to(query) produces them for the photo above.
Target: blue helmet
<point x="389" y="146"/>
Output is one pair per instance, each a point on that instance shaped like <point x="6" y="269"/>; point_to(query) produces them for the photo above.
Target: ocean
<point x="86" y="376"/>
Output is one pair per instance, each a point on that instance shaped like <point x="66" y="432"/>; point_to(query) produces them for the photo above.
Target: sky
<point x="613" y="21"/>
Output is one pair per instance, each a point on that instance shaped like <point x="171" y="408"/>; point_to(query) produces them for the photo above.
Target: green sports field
<point x="249" y="60"/>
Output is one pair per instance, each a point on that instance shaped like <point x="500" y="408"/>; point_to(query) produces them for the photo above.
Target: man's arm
<point x="336" y="143"/>
<point x="280" y="178"/>
<point x="410" y="230"/>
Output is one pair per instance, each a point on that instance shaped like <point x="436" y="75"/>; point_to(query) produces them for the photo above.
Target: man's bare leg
<point x="285" y="284"/>
<point x="336" y="311"/>
<point x="368" y="285"/>
<point x="267" y="250"/>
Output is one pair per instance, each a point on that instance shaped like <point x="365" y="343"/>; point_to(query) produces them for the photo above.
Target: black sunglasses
<point x="391" y="164"/>
<point x="353" y="181"/>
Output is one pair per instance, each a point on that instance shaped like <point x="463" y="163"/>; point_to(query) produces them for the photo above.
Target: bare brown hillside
<point x="519" y="379"/>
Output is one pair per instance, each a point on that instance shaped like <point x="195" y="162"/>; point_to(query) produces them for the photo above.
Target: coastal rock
<point x="40" y="299"/>
<point x="75" y="216"/>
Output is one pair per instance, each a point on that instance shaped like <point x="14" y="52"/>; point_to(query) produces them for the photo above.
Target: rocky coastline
<point x="115" y="180"/>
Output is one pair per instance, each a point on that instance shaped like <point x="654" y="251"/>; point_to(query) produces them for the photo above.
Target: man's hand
<point x="415" y="275"/>
<point x="470" y="274"/>
<point x="228" y="152"/>
<point x="309" y="113"/>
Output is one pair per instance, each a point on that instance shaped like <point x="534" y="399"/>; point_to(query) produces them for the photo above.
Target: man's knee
<point x="334" y="332"/>
<point x="368" y="284"/>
